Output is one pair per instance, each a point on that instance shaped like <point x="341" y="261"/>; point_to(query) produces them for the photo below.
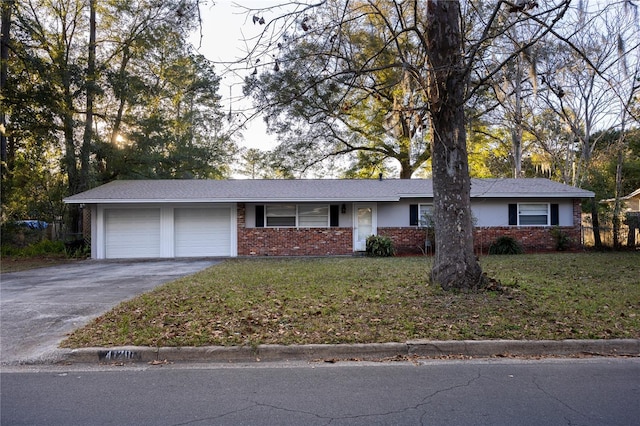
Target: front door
<point x="364" y="225"/>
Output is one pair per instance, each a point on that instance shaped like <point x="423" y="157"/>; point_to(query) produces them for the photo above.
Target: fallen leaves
<point x="364" y="300"/>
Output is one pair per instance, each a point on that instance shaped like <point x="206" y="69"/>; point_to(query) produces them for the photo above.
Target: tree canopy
<point x="103" y="90"/>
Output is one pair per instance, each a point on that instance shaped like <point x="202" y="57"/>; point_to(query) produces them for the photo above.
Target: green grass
<point x="364" y="300"/>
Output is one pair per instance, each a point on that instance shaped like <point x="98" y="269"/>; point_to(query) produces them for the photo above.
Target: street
<point x="587" y="391"/>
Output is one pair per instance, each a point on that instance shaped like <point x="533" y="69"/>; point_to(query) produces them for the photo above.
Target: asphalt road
<point x="40" y="306"/>
<point x="596" y="391"/>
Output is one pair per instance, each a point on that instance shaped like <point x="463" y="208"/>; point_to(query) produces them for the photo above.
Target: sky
<point x="224" y="29"/>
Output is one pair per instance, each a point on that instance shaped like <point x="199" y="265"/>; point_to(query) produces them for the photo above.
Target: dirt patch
<point x="16" y="264"/>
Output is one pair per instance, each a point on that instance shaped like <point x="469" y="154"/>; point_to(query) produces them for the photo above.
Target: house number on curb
<point x="118" y="355"/>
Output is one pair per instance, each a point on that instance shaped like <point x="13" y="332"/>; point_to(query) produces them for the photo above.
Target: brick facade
<point x="339" y="241"/>
<point x="294" y="241"/>
<point x="532" y="238"/>
<point x="405" y="240"/>
<point x="409" y="240"/>
<point x="291" y="241"/>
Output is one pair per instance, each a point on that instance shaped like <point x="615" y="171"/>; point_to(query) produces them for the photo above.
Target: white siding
<point x="496" y="212"/>
<point x="392" y="215"/>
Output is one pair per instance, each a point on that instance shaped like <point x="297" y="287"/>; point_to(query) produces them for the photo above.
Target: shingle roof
<point x="147" y="191"/>
<point x="627" y="197"/>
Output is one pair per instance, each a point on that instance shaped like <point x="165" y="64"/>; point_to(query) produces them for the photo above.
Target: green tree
<point x="320" y="114"/>
<point x="107" y="90"/>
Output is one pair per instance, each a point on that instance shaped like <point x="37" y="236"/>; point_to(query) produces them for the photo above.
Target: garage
<point x="132" y="233"/>
<point x="157" y="231"/>
<point x="200" y="232"/>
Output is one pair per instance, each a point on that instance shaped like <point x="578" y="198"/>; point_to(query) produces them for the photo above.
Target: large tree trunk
<point x="516" y="129"/>
<point x="617" y="205"/>
<point x="455" y="265"/>
<point x="595" y="224"/>
<point x="85" y="150"/>
<point x="4" y="53"/>
<point x="406" y="170"/>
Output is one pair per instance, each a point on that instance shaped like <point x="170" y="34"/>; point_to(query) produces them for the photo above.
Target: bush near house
<point x="379" y="246"/>
<point x="563" y="242"/>
<point x="505" y="245"/>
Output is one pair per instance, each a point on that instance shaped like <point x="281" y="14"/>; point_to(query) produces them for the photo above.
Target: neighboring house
<point x="630" y="203"/>
<point x="202" y="218"/>
<point x="630" y="216"/>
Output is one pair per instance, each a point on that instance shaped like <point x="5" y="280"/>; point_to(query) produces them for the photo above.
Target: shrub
<point x="379" y="246"/>
<point x="562" y="240"/>
<point x="77" y="249"/>
<point x="40" y="248"/>
<point x="44" y="247"/>
<point x="505" y="245"/>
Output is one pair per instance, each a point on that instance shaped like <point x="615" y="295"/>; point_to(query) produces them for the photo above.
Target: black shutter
<point x="513" y="214"/>
<point x="413" y="215"/>
<point x="555" y="215"/>
<point x="334" y="215"/>
<point x="259" y="216"/>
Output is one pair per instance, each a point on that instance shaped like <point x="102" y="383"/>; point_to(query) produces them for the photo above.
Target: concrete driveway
<point x="38" y="308"/>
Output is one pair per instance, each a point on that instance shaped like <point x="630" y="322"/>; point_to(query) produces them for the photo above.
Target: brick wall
<point x="291" y="241"/>
<point x="294" y="241"/>
<point x="86" y="223"/>
<point x="339" y="241"/>
<point x="405" y="240"/>
<point x="577" y="212"/>
<point x="411" y="240"/>
<point x="241" y="215"/>
<point x="532" y="238"/>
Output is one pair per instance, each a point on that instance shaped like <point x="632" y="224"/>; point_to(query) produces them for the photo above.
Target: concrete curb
<point x="374" y="351"/>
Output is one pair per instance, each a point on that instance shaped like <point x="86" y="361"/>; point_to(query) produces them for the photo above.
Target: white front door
<point x="364" y="225"/>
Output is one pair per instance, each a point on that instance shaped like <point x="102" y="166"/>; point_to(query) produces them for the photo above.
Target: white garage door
<point x="132" y="233"/>
<point x="202" y="232"/>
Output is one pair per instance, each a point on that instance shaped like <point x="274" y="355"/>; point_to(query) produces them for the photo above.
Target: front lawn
<point x="364" y="300"/>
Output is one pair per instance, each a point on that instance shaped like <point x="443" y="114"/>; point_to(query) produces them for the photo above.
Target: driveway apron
<point x="39" y="307"/>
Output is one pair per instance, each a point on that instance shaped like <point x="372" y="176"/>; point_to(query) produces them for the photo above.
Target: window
<point x="421" y="215"/>
<point x="313" y="216"/>
<point x="533" y="214"/>
<point x="292" y="215"/>
<point x="425" y="215"/>
<point x="280" y="215"/>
